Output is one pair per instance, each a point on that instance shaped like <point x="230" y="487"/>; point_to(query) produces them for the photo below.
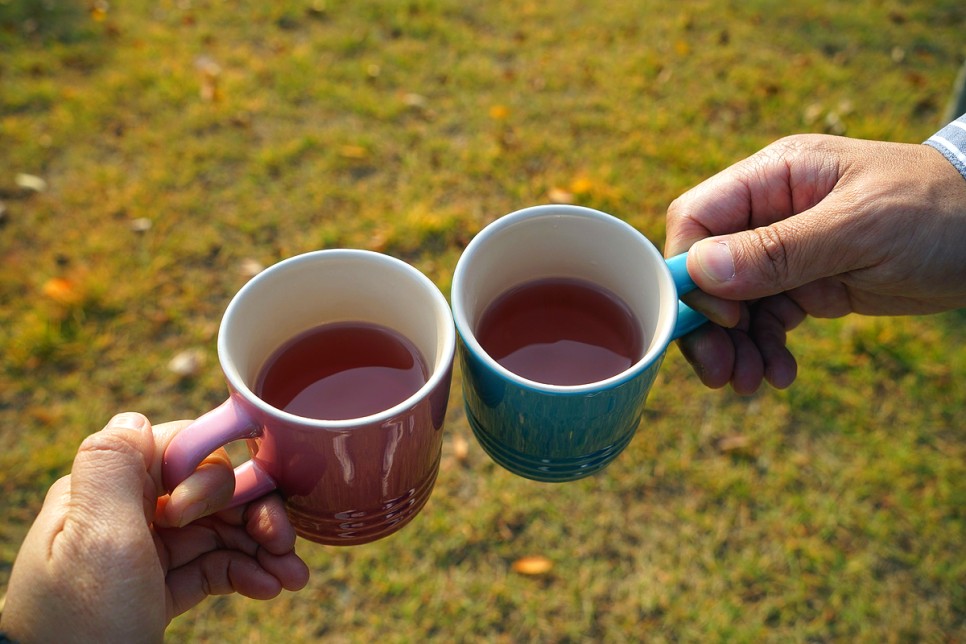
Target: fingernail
<point x="714" y="258"/>
<point x="128" y="420"/>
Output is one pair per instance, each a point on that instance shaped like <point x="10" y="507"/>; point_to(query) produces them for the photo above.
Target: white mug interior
<point x="321" y="287"/>
<point x="565" y="241"/>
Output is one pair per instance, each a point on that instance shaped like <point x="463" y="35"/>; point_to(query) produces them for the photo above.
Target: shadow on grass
<point x="954" y="323"/>
<point x="25" y="22"/>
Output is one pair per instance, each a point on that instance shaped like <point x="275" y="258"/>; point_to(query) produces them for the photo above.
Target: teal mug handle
<point x="688" y="318"/>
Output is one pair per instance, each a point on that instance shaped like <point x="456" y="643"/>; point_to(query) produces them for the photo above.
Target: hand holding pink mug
<point x="346" y="479"/>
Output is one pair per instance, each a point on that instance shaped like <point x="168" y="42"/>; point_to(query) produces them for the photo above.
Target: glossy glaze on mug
<point x="549" y="436"/>
<point x="356" y="485"/>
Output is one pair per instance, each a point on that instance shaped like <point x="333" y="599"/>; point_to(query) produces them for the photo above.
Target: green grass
<point x="836" y="515"/>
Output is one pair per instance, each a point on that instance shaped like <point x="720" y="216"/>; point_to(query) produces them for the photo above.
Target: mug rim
<point x="238" y="385"/>
<point x="662" y="334"/>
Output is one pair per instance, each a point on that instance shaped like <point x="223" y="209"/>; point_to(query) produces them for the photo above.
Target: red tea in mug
<point x="342" y="370"/>
<point x="561" y="331"/>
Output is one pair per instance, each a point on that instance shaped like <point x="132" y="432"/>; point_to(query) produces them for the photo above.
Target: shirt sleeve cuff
<point x="951" y="141"/>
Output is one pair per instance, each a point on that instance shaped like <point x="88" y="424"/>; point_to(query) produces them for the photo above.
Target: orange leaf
<point x="581" y="186"/>
<point x="61" y="290"/>
<point x="559" y="195"/>
<point x="99" y="11"/>
<point x="499" y="112"/>
<point x="210" y="71"/>
<point x="461" y="449"/>
<point x="353" y="152"/>
<point x="532" y="565"/>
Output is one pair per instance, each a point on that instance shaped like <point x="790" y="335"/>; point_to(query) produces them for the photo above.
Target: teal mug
<point x="561" y="432"/>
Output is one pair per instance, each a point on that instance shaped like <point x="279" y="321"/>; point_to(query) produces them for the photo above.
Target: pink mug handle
<point x="226" y="423"/>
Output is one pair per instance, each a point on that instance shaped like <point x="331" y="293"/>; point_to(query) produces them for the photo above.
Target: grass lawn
<point x="154" y="154"/>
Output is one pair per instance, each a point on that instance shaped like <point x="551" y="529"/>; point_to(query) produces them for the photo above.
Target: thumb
<point x="109" y="479"/>
<point x="771" y="259"/>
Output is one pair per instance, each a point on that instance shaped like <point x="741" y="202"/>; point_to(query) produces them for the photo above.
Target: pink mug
<point x="344" y="482"/>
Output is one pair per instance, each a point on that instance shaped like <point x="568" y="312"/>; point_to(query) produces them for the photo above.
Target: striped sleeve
<point x="951" y="141"/>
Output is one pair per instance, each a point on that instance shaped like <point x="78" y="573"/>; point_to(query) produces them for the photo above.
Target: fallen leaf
<point x="317" y="9"/>
<point x="532" y="565"/>
<point x="141" y="225"/>
<point x="559" y="195"/>
<point x="45" y="415"/>
<point x="353" y="152"/>
<point x="737" y="446"/>
<point x="62" y="291"/>
<point x="834" y="124"/>
<point x="379" y="241"/>
<point x="733" y="443"/>
<point x="499" y="112"/>
<point x="581" y="186"/>
<point x="461" y="449"/>
<point x="813" y="113"/>
<point x="250" y="267"/>
<point x="412" y="99"/>
<point x="31" y="182"/>
<point x="99" y="11"/>
<point x="187" y="363"/>
<point x="210" y="72"/>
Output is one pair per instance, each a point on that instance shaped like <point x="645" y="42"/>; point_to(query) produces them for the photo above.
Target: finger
<point x="208" y="489"/>
<point x="720" y="204"/>
<point x="780" y="257"/>
<point x="268" y="524"/>
<point x="218" y="573"/>
<point x="788" y="177"/>
<point x="710" y="352"/>
<point x="724" y="313"/>
<point x="290" y="571"/>
<point x="774" y="317"/>
<point x="775" y="220"/>
<point x="749" y="369"/>
<point x="109" y="465"/>
<point x="206" y="535"/>
<point x="724" y="203"/>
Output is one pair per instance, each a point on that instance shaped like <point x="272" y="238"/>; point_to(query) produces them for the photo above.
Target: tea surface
<point x="342" y="370"/>
<point x="561" y="331"/>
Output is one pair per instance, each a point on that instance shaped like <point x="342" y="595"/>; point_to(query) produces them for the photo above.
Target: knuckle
<point x="103" y="443"/>
<point x="679" y="215"/>
<point x="774" y="254"/>
<point x="676" y="209"/>
<point x="796" y="143"/>
<point x="99" y="442"/>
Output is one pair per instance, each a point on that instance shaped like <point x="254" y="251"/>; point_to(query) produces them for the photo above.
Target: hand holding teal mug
<point x="562" y="432"/>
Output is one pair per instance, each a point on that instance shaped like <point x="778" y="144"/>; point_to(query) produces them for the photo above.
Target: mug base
<point x="546" y="470"/>
<point x="356" y="527"/>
